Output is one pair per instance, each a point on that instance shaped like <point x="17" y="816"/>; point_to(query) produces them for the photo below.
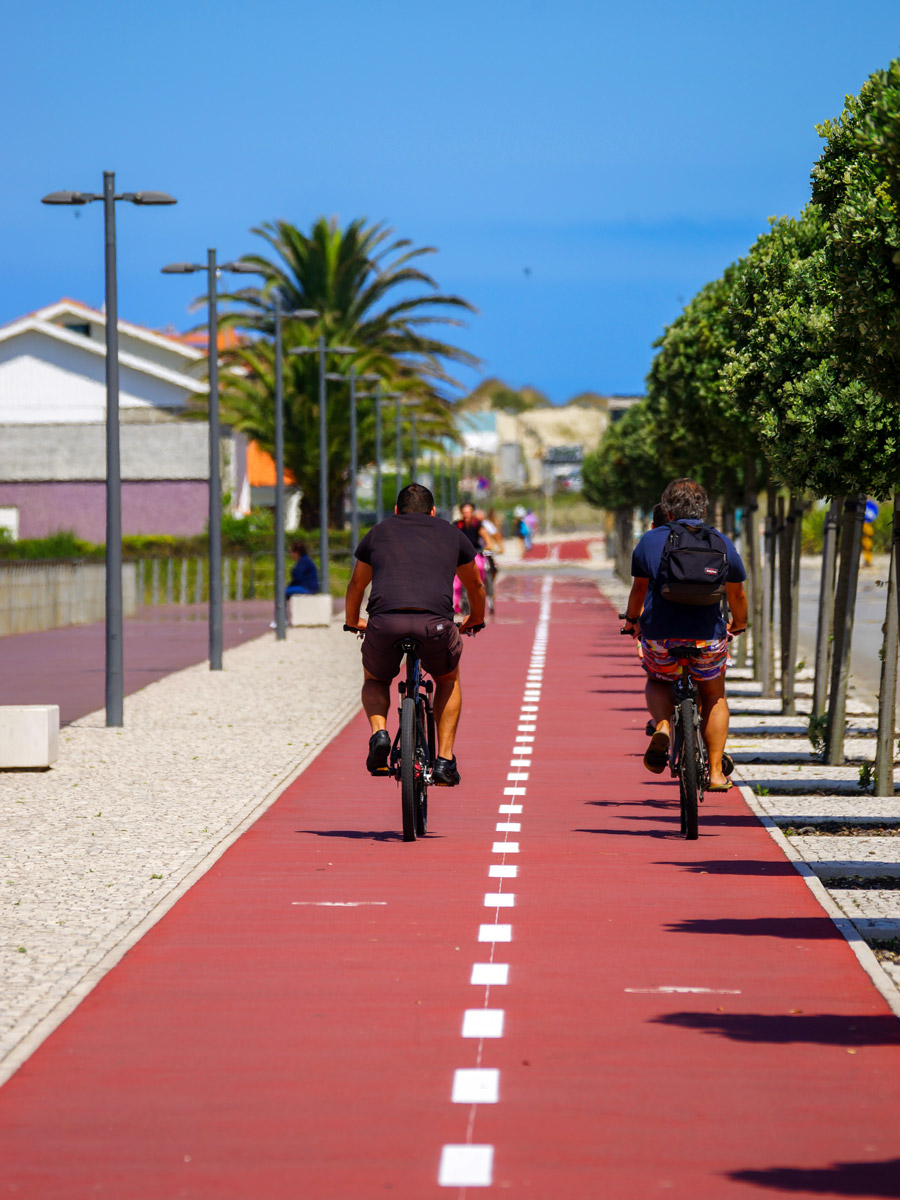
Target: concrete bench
<point x="309" y="610"/>
<point x="29" y="736"/>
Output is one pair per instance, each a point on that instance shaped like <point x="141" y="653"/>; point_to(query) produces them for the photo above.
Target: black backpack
<point x="693" y="568"/>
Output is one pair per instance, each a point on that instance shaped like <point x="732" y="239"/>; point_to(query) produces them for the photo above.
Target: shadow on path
<point x="840" y="1179"/>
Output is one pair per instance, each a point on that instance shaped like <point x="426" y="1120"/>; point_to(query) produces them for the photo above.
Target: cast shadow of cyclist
<point x="370" y="835"/>
<point x="838" y="1179"/>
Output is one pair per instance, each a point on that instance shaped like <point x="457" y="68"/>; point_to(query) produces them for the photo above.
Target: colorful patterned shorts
<point x="661" y="658"/>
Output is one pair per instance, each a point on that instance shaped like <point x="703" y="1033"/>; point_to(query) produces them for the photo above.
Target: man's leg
<point x="714" y="724"/>
<point x="376" y="701"/>
<point x="447" y="709"/>
<point x="660" y="704"/>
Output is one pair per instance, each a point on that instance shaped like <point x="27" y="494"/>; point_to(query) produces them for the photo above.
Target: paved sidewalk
<point x="551" y="994"/>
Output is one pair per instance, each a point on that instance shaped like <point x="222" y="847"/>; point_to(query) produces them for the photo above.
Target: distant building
<point x="53" y="431"/>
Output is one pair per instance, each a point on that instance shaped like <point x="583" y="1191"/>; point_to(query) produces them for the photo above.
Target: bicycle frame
<point x="421" y="689"/>
<point x="685" y="689"/>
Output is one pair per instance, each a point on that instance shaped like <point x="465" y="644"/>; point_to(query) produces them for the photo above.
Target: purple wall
<point x="177" y="507"/>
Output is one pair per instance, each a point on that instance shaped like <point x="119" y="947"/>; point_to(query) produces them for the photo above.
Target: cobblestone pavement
<point x="805" y="801"/>
<point x="105" y="841"/>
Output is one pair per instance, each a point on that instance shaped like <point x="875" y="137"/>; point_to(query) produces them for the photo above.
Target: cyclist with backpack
<point x="681" y="571"/>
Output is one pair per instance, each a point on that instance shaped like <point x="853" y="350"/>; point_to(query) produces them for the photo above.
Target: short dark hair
<point x="659" y="516"/>
<point x="684" y="499"/>
<point x="415" y="498"/>
<point x="299" y="548"/>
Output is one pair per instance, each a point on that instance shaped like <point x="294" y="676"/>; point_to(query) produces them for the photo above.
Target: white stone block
<point x="29" y="735"/>
<point x="309" y="610"/>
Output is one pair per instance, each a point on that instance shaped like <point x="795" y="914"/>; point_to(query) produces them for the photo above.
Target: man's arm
<point x="356" y="590"/>
<point x="737" y="603"/>
<point x="635" y="605"/>
<point x="471" y="581"/>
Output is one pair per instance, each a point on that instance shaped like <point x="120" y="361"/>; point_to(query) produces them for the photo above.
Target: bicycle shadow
<point x="371" y="835"/>
<point x="818" y="1029"/>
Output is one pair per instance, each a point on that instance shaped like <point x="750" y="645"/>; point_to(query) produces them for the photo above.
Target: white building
<point x="53" y="433"/>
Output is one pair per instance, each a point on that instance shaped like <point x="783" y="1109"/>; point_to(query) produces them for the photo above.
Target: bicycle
<point x="688" y="760"/>
<point x="413" y="749"/>
<point x="490" y="574"/>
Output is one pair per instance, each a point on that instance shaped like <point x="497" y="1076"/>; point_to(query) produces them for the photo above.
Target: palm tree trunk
<point x="844" y="607"/>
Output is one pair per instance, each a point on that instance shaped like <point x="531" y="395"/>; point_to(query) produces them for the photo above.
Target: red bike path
<point x="292" y="1027"/>
<point x="66" y="666"/>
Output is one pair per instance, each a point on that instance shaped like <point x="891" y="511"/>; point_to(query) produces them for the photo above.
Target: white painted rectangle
<point x="506" y="848"/>
<point x="495" y="933"/>
<point x="508" y="827"/>
<point x="490" y="974"/>
<point x="514" y="791"/>
<point x="526" y="728"/>
<point x="499" y="899"/>
<point x="524" y="738"/>
<point x="503" y="871"/>
<point x="466" y="1166"/>
<point x="510" y="808"/>
<point x="483" y="1023"/>
<point x="478" y="1085"/>
<point x="517" y="777"/>
<point x="520" y="762"/>
<point x="529" y="708"/>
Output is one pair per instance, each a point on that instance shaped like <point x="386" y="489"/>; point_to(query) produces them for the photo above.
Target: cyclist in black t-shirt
<point x="411" y="560"/>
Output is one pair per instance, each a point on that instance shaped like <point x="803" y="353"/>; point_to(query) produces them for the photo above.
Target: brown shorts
<point x="439" y="637"/>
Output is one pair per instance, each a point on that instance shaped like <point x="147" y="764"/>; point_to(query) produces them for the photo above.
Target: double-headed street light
<point x="321" y="350"/>
<point x="352" y="378"/>
<point x="115" y="673"/>
<point x="212" y="269"/>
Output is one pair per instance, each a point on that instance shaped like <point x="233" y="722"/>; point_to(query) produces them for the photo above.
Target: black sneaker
<point x="444" y="772"/>
<point x="379" y="752"/>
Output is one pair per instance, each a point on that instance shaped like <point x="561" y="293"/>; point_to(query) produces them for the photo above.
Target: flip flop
<point x="727" y="764"/>
<point x="727" y="788"/>
<point x="656" y="758"/>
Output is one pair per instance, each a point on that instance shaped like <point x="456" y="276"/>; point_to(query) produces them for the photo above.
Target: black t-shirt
<point x="472" y="532"/>
<point x="414" y="558"/>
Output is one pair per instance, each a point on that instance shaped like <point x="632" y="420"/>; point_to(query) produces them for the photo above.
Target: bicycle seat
<point x="409" y="645"/>
<point x="686" y="651"/>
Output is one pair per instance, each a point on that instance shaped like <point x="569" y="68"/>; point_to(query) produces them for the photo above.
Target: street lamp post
<point x="115" y="668"/>
<point x="280" y="598"/>
<point x="212" y="269"/>
<point x="321" y="349"/>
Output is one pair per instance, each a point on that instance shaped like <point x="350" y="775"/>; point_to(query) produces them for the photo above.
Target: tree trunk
<point x="826" y="606"/>
<point x="790" y="603"/>
<point x="767" y="631"/>
<point x="844" y="607"/>
<point x="750" y="552"/>
<point x="887" y="695"/>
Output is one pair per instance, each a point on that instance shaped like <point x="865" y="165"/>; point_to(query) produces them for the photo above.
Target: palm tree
<point x="370" y="294"/>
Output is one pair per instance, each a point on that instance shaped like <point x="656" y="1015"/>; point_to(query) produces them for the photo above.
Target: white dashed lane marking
<point x="490" y="974"/>
<point x="480" y="1085"/>
<point x="483" y="1023"/>
<point x="465" y="1165"/>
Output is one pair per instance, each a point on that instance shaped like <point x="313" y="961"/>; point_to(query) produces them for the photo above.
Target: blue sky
<point x="623" y="154"/>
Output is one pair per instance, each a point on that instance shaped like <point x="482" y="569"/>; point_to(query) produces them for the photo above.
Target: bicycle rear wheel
<point x="421" y="765"/>
<point x="689" y="770"/>
<point x="408" y="789"/>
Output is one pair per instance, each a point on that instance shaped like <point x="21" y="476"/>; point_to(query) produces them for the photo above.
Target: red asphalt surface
<point x="66" y="666"/>
<point x="254" y="1044"/>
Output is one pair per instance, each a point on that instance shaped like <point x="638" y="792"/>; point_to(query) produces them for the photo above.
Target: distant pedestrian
<point x="304" y="576"/>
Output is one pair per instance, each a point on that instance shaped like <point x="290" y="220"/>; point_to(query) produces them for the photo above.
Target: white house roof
<point x="46" y="322"/>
